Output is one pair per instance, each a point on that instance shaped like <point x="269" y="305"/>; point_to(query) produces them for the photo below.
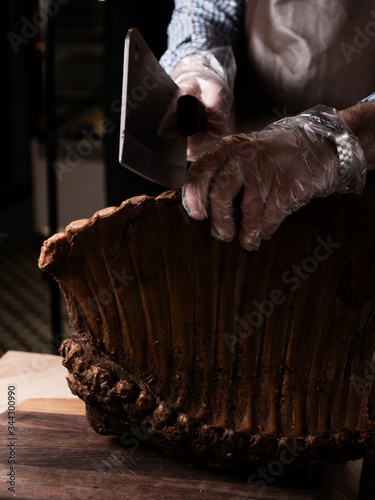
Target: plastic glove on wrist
<point x="271" y="173"/>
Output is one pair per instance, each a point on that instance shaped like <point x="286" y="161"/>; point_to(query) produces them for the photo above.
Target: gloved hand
<point x="275" y="171"/>
<point x="209" y="76"/>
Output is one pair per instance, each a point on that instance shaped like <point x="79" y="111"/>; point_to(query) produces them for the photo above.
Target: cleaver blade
<point x="149" y="99"/>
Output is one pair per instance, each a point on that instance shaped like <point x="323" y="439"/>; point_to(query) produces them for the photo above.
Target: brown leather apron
<point x="304" y="53"/>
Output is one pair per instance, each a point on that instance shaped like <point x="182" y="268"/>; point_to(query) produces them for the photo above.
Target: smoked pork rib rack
<point x="216" y="354"/>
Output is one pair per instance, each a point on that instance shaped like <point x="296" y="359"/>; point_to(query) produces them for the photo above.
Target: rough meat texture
<point x="214" y="353"/>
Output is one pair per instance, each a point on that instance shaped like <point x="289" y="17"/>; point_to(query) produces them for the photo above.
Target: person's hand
<point x="361" y="120"/>
<point x="209" y="77"/>
<point x="270" y="174"/>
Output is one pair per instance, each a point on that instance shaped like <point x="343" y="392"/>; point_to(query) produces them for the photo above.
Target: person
<point x="313" y="59"/>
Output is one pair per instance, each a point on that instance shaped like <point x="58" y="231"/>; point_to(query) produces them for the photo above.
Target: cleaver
<point x="156" y="117"/>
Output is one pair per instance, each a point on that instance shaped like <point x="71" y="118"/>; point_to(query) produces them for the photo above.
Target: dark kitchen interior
<point x="62" y="82"/>
<point x="61" y="130"/>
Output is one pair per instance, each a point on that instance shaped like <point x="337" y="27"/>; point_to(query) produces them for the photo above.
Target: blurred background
<point x="63" y="77"/>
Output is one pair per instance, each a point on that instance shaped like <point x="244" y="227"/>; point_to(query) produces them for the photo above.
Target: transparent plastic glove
<point x="209" y="76"/>
<point x="270" y="174"/>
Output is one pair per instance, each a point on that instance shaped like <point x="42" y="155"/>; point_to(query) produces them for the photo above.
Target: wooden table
<point x="58" y="455"/>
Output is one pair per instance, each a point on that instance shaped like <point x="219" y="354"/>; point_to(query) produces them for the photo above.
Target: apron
<point x="303" y="53"/>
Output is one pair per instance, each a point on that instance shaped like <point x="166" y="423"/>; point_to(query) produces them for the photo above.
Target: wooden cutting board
<point x="59" y="456"/>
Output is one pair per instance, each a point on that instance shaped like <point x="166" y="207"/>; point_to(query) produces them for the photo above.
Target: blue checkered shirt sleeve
<point x="370" y="98"/>
<point x="202" y="25"/>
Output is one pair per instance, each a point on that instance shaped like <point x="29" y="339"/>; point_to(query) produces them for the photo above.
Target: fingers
<point x="272" y="216"/>
<point x="251" y="218"/>
<point x="265" y="204"/>
<point x="196" y="188"/>
<point x="259" y="222"/>
<point x="224" y="190"/>
<point x="214" y="181"/>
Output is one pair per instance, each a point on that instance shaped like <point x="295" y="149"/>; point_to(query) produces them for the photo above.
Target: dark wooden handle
<point x="190" y="115"/>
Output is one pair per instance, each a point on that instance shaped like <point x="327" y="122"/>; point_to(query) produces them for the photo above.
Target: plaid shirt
<point x="198" y="25"/>
<point x="370" y="98"/>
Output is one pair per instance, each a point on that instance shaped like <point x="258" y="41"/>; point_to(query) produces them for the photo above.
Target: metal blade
<point x="148" y="95"/>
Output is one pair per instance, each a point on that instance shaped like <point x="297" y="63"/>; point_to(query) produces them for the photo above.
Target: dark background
<point x="92" y="81"/>
<point x="84" y="54"/>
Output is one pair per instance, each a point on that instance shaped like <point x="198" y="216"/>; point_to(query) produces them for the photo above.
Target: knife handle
<point x="190" y="115"/>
